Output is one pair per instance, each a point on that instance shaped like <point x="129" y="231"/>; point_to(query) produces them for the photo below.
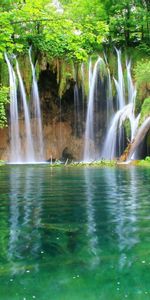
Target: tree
<point x="3" y="102"/>
<point x="128" y="21"/>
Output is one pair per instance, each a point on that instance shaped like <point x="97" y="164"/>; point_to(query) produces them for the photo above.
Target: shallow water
<point x="74" y="234"/>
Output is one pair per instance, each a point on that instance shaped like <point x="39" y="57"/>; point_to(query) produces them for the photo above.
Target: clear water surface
<point x="74" y="234"/>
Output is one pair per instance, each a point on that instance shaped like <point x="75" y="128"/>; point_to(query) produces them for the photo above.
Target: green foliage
<point x="96" y="163"/>
<point x="142" y="78"/>
<point x="66" y="74"/>
<point x="128" y="21"/>
<point x="72" y="34"/>
<point x="3" y="101"/>
<point x="142" y="72"/>
<point x="77" y="30"/>
<point x="144" y="49"/>
<point x="6" y="32"/>
<point x="145" y="110"/>
<point x="147" y="158"/>
<point x="145" y="162"/>
<point x="127" y="128"/>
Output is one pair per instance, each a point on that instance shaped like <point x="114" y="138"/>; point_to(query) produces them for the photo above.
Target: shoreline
<point x="96" y="163"/>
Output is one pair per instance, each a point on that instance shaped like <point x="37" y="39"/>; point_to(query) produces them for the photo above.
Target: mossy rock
<point x="127" y="127"/>
<point x="142" y="78"/>
<point x="145" y="110"/>
<point x="148" y="143"/>
<point x="145" y="162"/>
<point x="26" y="72"/>
<point x="67" y="155"/>
<point x="66" y="75"/>
<point x="148" y="140"/>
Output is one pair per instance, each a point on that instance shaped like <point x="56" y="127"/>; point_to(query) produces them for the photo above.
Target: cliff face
<point x="59" y="136"/>
<point x="59" y="142"/>
<point x="4" y="144"/>
<point x="63" y="131"/>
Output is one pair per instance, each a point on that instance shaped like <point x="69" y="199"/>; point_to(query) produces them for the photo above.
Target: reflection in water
<point x="25" y="214"/>
<point x="91" y="224"/>
<point x="14" y="213"/>
<point x="122" y="206"/>
<point x="85" y="232"/>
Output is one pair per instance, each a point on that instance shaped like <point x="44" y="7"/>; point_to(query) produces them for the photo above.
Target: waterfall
<point x="83" y="91"/>
<point x="15" y="145"/>
<point x="134" y="121"/>
<point x="25" y="151"/>
<point x="120" y="83"/>
<point x="37" y="114"/>
<point x="109" y="149"/>
<point x="89" y="153"/>
<point x="29" y="153"/>
<point x="58" y="6"/>
<point x="131" y="87"/>
<point x="114" y="134"/>
<point x="110" y="110"/>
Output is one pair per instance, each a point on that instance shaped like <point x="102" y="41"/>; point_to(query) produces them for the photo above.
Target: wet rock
<point x="67" y="154"/>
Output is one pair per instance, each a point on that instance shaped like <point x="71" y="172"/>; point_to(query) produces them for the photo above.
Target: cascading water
<point x="113" y="141"/>
<point x="83" y="92"/>
<point x="110" y="109"/>
<point x="15" y="145"/>
<point x="58" y="6"/>
<point x="38" y="140"/>
<point x="120" y="83"/>
<point x="109" y="149"/>
<point x="29" y="152"/>
<point x="76" y="110"/>
<point x="89" y="153"/>
<point x="31" y="149"/>
<point x="131" y="87"/>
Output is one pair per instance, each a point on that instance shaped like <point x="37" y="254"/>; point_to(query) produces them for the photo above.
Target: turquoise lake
<point x="74" y="233"/>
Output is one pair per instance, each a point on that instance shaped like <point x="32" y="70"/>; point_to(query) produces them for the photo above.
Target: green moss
<point x="137" y="54"/>
<point x="66" y="74"/>
<point x="127" y="128"/>
<point x="145" y="162"/>
<point x="142" y="78"/>
<point x="112" y="62"/>
<point x="148" y="141"/>
<point x="2" y="163"/>
<point x="26" y="72"/>
<point x="145" y="110"/>
<point x="140" y="69"/>
<point x="37" y="69"/>
<point x="97" y="163"/>
<point x="85" y="81"/>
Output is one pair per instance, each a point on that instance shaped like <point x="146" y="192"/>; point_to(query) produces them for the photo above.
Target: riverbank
<point x="105" y="163"/>
<point x="96" y="163"/>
